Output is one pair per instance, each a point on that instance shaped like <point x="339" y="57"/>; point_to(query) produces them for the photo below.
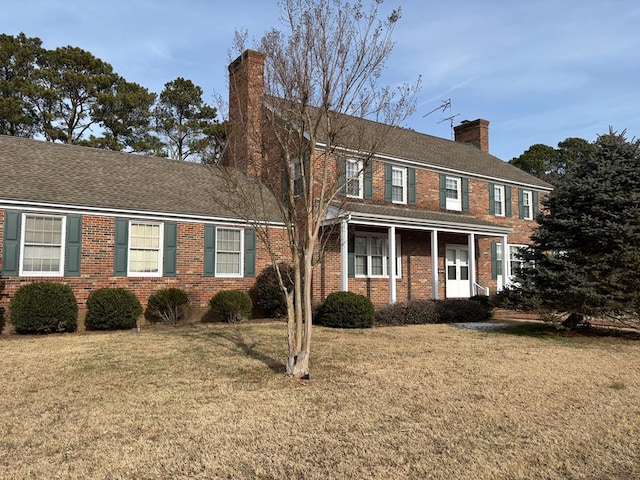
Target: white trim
<point x="385" y="252"/>
<point x="160" y="250"/>
<point x="240" y="273"/>
<point x="528" y="195"/>
<point x="403" y="170"/>
<point x="63" y="209"/>
<point x="359" y="176"/>
<point x="434" y="263"/>
<point x="418" y="224"/>
<point x="453" y="204"/>
<point x="344" y="255"/>
<point x="501" y="189"/>
<point x="440" y="169"/>
<point x="392" y="262"/>
<point x="63" y="240"/>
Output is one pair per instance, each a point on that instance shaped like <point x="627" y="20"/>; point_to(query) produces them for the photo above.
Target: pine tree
<point x="586" y="249"/>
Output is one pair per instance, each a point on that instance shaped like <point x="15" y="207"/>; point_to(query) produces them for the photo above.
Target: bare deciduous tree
<point x="321" y="79"/>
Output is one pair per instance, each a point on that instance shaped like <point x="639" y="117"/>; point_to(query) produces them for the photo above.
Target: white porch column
<point x="505" y="262"/>
<point x="434" y="263"/>
<point x="472" y="264"/>
<point x="391" y="242"/>
<point x="344" y="255"/>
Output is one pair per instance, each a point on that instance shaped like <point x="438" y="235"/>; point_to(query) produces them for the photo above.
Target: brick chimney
<point x="244" y="129"/>
<point x="475" y="132"/>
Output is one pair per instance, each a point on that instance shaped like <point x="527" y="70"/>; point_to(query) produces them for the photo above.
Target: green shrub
<point x="346" y="310"/>
<point x="44" y="307"/>
<point x="231" y="306"/>
<point x="411" y="313"/>
<point x="167" y="305"/>
<point x="266" y="292"/>
<point x="475" y="309"/>
<point x="112" y="309"/>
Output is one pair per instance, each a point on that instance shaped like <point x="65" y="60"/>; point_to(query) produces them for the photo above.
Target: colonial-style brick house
<point x="429" y="218"/>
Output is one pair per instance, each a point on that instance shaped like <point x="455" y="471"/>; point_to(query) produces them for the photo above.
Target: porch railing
<point x="480" y="290"/>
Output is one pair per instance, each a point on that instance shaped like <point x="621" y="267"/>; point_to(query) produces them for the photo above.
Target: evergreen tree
<point x="586" y="249"/>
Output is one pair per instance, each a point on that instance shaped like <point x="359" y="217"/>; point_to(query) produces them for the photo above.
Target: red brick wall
<point x="97" y="265"/>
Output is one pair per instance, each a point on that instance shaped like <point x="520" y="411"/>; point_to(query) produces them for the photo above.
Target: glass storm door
<point x="457" y="272"/>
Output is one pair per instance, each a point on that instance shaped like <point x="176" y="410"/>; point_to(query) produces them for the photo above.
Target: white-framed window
<point x="145" y="249"/>
<point x="515" y="262"/>
<point x="499" y="200"/>
<point x="453" y="193"/>
<point x="229" y="248"/>
<point x="371" y="256"/>
<point x="399" y="184"/>
<point x="527" y="204"/>
<point x="42" y="245"/>
<point x="354" y="178"/>
<point x="296" y="168"/>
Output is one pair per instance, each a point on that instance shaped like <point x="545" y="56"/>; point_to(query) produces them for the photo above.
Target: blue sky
<point x="539" y="70"/>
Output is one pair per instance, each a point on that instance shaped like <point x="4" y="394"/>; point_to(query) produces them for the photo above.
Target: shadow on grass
<point x="547" y="331"/>
<point x="248" y="348"/>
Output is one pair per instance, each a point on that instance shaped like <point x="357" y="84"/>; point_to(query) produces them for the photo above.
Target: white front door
<point x="457" y="285"/>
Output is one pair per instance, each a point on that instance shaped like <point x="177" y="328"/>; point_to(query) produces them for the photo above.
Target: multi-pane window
<point x="371" y="256"/>
<point x="42" y="248"/>
<point x="498" y="200"/>
<point x="399" y="184"/>
<point x="228" y="252"/>
<point x="527" y="207"/>
<point x="453" y="193"/>
<point x="145" y="249"/>
<point x="354" y="178"/>
<point x="515" y="261"/>
<point x="296" y="166"/>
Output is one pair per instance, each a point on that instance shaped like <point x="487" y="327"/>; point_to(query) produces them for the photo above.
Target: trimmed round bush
<point x="167" y="305"/>
<point x="44" y="307"/>
<point x="412" y="313"/>
<point x="231" y="306"/>
<point x="112" y="309"/>
<point x="346" y="310"/>
<point x="266" y="292"/>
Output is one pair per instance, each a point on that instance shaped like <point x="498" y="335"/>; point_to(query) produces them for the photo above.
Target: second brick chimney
<point x="475" y="132"/>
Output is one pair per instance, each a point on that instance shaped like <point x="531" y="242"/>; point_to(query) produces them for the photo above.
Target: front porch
<point x="395" y="254"/>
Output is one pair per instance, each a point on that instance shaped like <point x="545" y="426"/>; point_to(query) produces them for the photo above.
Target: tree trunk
<point x="573" y="320"/>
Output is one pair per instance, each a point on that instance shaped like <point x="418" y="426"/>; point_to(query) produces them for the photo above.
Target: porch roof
<point x="413" y="218"/>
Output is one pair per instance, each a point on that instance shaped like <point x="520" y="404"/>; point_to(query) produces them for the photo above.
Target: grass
<point x="423" y="402"/>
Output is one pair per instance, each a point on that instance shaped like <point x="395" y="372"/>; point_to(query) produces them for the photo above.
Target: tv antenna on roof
<point x="446" y="105"/>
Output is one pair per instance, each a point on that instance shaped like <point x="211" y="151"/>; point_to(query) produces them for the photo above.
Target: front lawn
<point x="425" y="401"/>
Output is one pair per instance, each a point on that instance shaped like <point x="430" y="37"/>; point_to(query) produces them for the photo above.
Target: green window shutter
<point x="520" y="202"/>
<point x="536" y="202"/>
<point x="250" y="252"/>
<point x="411" y="179"/>
<point x="342" y="176"/>
<point x="492" y="199"/>
<point x="170" y="249"/>
<point x="351" y="270"/>
<point x="209" y="250"/>
<point x="388" y="182"/>
<point x="465" y="194"/>
<point x="73" y="247"/>
<point x="121" y="248"/>
<point x="494" y="260"/>
<point x="11" y="244"/>
<point x="507" y="201"/>
<point x="443" y="191"/>
<point x="368" y="181"/>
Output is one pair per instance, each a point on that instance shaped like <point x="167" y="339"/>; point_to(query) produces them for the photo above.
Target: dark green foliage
<point x="167" y="305"/>
<point x="346" y="310"/>
<point x="475" y="309"/>
<point x="231" y="306"/>
<point x="44" y="307"/>
<point x="586" y="249"/>
<point x="112" y="309"/>
<point x="266" y="292"/>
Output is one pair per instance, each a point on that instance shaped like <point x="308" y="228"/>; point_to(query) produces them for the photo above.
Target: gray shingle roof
<point x="77" y="176"/>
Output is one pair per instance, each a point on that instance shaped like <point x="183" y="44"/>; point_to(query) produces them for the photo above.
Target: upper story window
<point x="145" y="249"/>
<point x="42" y="249"/>
<point x="453" y="193"/>
<point x="371" y="256"/>
<point x="228" y="252"/>
<point x="354" y="176"/>
<point x="527" y="205"/>
<point x="399" y="184"/>
<point x="499" y="200"/>
<point x="296" y="168"/>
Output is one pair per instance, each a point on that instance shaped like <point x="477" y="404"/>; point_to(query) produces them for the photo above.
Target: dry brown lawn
<point x="423" y="402"/>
